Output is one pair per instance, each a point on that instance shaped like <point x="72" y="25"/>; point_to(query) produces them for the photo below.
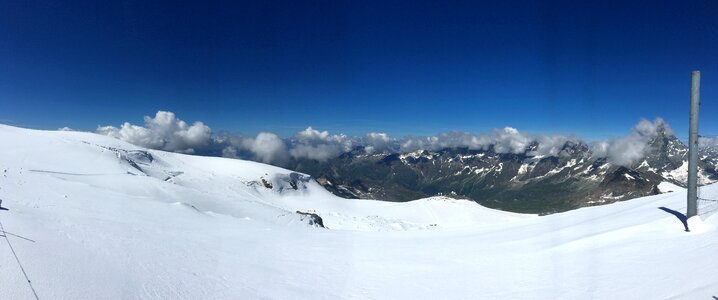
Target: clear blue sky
<point x="402" y="68"/>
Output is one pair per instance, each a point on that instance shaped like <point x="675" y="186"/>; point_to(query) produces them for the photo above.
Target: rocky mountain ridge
<point x="574" y="177"/>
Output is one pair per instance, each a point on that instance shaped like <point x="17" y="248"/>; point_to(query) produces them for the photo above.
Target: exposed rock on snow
<point x="312" y="218"/>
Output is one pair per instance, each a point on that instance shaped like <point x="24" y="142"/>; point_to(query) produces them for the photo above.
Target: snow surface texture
<point x="667" y="187"/>
<point x="111" y="220"/>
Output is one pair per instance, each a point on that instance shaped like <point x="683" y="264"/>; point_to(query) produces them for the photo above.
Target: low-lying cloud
<point x="708" y="142"/>
<point x="505" y="140"/>
<point x="319" y="145"/>
<point x="165" y="131"/>
<point x="628" y="150"/>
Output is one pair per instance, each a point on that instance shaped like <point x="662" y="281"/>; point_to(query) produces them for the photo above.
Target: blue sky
<point x="405" y="68"/>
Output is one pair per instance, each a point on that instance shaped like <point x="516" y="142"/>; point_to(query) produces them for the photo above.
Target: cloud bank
<point x="165" y="131"/>
<point x="505" y="140"/>
<point x="319" y="145"/>
<point x="266" y="147"/>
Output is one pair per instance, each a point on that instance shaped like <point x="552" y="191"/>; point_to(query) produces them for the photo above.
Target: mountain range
<point x="521" y="182"/>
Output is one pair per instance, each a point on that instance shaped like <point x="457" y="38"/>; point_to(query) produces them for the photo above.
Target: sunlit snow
<point x="110" y="220"/>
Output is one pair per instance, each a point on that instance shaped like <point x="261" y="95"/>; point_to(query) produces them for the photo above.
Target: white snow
<point x="667" y="187"/>
<point x="680" y="174"/>
<point x="644" y="164"/>
<point x="189" y="227"/>
<point x="571" y="163"/>
<point x="611" y="196"/>
<point x="480" y="170"/>
<point x="554" y="171"/>
<point x="523" y="169"/>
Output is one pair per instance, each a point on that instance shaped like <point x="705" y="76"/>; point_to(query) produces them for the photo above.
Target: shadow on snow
<point x="678" y="215"/>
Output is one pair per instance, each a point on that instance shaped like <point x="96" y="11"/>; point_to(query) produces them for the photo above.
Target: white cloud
<point x="321" y="152"/>
<point x="708" y="142"/>
<point x="230" y="151"/>
<point x="418" y="143"/>
<point x="377" y="142"/>
<point x="504" y="140"/>
<point x="509" y="140"/>
<point x="651" y="129"/>
<point x="600" y="149"/>
<point x="165" y="132"/>
<point x="267" y="147"/>
<point x="319" y="145"/>
<point x="631" y="148"/>
<point x="550" y="145"/>
<point x="627" y="150"/>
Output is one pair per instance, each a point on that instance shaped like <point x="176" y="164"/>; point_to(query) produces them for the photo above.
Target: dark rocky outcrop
<point x="311" y="218"/>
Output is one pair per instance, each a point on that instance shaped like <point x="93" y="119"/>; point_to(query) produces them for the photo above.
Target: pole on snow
<point x="693" y="146"/>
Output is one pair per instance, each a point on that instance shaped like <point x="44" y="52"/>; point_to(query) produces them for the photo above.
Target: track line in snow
<point x="73" y="174"/>
<point x="18" y="262"/>
<point x="15" y="235"/>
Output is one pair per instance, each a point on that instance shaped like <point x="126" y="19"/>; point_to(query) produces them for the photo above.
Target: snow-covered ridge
<point x="91" y="217"/>
<point x="231" y="187"/>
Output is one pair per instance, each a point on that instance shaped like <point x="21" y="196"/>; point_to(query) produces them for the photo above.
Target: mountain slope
<point x="111" y="220"/>
<point x="524" y="182"/>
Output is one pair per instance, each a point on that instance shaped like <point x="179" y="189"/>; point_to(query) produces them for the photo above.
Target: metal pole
<point x="693" y="146"/>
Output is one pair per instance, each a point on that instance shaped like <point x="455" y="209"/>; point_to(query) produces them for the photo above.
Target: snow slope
<point x="112" y="220"/>
<point x="666" y="187"/>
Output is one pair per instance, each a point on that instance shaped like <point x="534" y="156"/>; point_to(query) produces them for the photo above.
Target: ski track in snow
<point x="105" y="226"/>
